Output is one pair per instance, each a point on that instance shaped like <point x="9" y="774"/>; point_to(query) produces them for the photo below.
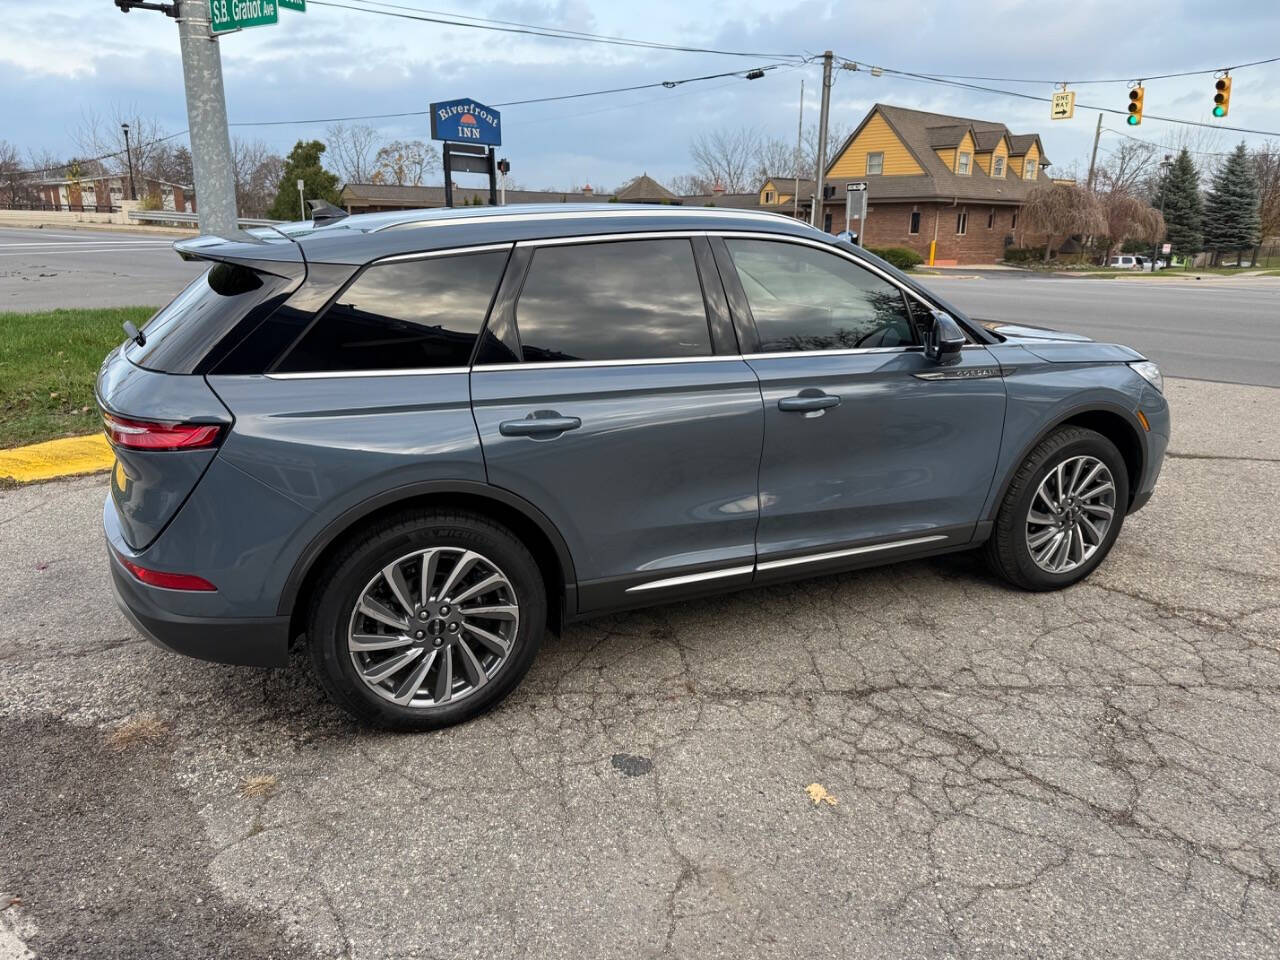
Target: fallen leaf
<point x="14" y="902"/>
<point x="818" y="794"/>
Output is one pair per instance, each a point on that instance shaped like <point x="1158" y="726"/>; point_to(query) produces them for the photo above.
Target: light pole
<point x="133" y="193"/>
<point x="1165" y="165"/>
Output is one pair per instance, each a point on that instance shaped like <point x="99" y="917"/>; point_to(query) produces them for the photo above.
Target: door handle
<point x="541" y="423"/>
<point x="805" y="402"/>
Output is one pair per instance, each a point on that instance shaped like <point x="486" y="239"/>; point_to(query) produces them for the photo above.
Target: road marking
<point x="118" y="248"/>
<point x="90" y="243"/>
<point x="66" y="457"/>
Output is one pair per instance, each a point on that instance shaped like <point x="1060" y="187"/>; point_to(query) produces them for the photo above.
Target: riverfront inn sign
<point x="466" y="121"/>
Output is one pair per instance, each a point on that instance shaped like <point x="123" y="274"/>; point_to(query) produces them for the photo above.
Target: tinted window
<point x="631" y="300"/>
<point x="805" y="299"/>
<point x="403" y="316"/>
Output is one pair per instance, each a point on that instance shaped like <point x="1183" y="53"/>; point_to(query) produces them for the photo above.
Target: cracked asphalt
<point x="910" y="761"/>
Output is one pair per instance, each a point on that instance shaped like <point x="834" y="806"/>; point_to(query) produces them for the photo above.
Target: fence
<point x="62" y="207"/>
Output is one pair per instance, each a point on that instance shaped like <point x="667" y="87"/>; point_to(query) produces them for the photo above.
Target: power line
<point x="1077" y="83"/>
<point x="550" y="32"/>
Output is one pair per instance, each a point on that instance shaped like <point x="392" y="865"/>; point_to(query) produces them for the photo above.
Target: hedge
<point x="900" y="257"/>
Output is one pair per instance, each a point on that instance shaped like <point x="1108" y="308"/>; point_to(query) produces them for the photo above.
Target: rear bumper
<point x="248" y="641"/>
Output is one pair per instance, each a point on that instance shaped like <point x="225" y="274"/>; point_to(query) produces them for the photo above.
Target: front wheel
<point x="1062" y="512"/>
<point x="427" y="619"/>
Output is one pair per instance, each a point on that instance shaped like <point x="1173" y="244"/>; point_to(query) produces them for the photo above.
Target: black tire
<point x="1007" y="552"/>
<point x="342" y="583"/>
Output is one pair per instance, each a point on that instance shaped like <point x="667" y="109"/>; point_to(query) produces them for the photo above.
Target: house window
<point x="915" y="222"/>
<point x="826" y="223"/>
<point x="875" y="163"/>
<point x="1031" y="169"/>
<point x="962" y="163"/>
<point x="991" y="218"/>
<point x="997" y="167"/>
<point x="768" y="196"/>
<point x="1014" y="225"/>
<point x="962" y="222"/>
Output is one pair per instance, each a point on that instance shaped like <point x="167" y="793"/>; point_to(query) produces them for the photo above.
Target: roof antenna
<point x="324" y="213"/>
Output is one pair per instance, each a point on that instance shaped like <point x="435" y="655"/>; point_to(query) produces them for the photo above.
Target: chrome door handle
<point x="542" y="423"/>
<point x="805" y="402"/>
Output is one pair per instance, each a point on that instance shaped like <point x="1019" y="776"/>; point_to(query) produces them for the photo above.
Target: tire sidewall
<point x="345" y="582"/>
<point x="1093" y="445"/>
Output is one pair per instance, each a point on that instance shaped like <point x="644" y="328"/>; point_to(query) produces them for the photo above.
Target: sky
<point x="57" y="68"/>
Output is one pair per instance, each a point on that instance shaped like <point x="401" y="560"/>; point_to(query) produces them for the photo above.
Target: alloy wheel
<point x="433" y="627"/>
<point x="1071" y="512"/>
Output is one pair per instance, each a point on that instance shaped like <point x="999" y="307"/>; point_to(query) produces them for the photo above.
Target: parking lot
<point x="911" y="761"/>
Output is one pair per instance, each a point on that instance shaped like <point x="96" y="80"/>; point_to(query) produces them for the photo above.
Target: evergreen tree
<point x="1232" y="219"/>
<point x="1179" y="194"/>
<point x="303" y="163"/>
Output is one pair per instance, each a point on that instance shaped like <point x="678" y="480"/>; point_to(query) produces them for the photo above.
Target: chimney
<point x="718" y="189"/>
<point x="587" y="189"/>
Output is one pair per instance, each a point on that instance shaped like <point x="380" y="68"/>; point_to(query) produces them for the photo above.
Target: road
<point x="1214" y="329"/>
<point x="1226" y="330"/>
<point x="1090" y="773"/>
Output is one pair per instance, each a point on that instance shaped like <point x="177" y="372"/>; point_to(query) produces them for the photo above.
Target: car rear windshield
<point x="197" y="319"/>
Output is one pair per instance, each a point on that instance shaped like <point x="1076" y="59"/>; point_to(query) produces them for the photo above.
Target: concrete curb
<point x="67" y="457"/>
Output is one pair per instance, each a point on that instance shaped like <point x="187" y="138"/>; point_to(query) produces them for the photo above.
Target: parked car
<point x="420" y="439"/>
<point x="1128" y="261"/>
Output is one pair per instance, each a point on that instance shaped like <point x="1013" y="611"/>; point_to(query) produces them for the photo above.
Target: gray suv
<point x="419" y="439"/>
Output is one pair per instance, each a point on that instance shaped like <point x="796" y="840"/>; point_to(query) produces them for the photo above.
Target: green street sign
<point x="226" y="15"/>
<point x="299" y="5"/>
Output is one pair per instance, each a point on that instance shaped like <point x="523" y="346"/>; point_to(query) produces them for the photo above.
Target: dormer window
<point x="962" y="163"/>
<point x="1031" y="169"/>
<point x="997" y="167"/>
<point x="875" y="163"/>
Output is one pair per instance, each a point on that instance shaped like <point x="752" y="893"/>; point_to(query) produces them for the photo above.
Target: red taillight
<point x="170" y="581"/>
<point x="152" y="435"/>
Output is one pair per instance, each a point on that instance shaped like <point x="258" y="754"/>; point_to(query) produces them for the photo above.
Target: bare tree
<point x="405" y="163"/>
<point x="12" y="176"/>
<point x="776" y="158"/>
<point x="1266" y="167"/>
<point x="257" y="170"/>
<point x="100" y="138"/>
<point x="1127" y="167"/>
<point x="837" y="134"/>
<point x="727" y="157"/>
<point x="689" y="185"/>
<point x="351" y="151"/>
<point x="1129" y="217"/>
<point x="1061" y="210"/>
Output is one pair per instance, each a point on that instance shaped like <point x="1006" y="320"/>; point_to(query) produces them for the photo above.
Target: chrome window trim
<point x="851" y="552"/>
<point x="332" y="374"/>
<point x="693" y="578"/>
<point x="851" y="351"/>
<point x="569" y="364"/>
<point x="666" y="211"/>
<point x="614" y="237"/>
<point x="432" y="254"/>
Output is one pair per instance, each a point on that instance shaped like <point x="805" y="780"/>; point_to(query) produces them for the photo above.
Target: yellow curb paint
<point x="57" y="458"/>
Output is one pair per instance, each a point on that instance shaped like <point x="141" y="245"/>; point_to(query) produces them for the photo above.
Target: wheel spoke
<point x="470" y="664"/>
<point x="1105" y="487"/>
<point x="377" y="641"/>
<point x="1099" y="508"/>
<point x="1057" y="478"/>
<point x="500" y="612"/>
<point x="1077" y="543"/>
<point x="475" y="590"/>
<point x="372" y="608"/>
<point x="427" y="579"/>
<point x="1094" y="532"/>
<point x="1098" y="467"/>
<point x="395" y="580"/>
<point x="381" y="671"/>
<point x="460" y="570"/>
<point x="444" y="678"/>
<point x="1063" y="552"/>
<point x="1035" y="541"/>
<point x="491" y="640"/>
<point x="413" y="683"/>
<point x="1042" y="519"/>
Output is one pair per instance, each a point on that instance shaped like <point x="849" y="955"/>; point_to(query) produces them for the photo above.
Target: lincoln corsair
<point x="419" y="439"/>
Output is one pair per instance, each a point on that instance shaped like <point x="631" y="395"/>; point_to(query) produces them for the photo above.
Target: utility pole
<point x="795" y="197"/>
<point x="818" y="195"/>
<point x="1093" y="158"/>
<point x="128" y="155"/>
<point x="206" y="111"/>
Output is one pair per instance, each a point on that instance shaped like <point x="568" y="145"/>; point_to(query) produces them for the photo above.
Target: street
<point x="908" y="761"/>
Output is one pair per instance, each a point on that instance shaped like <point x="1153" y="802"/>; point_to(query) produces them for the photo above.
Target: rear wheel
<point x="1062" y="512"/>
<point x="427" y="619"/>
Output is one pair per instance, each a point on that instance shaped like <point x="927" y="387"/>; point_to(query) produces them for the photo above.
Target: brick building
<point x="101" y="193"/>
<point x="950" y="186"/>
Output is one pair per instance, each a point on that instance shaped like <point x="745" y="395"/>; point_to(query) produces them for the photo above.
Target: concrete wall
<point x="53" y="218"/>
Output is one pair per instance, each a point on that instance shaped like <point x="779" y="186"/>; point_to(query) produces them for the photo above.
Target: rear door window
<point x="411" y="315"/>
<point x="624" y="300"/>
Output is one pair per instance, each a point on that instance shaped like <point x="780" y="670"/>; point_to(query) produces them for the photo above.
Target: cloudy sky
<point x="61" y="62"/>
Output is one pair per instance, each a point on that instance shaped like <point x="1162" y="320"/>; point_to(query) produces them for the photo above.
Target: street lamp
<point x="133" y="193"/>
<point x="1165" y="166"/>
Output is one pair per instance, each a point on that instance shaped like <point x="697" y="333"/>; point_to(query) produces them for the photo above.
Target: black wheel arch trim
<point x="303" y="566"/>
<point x="1092" y="406"/>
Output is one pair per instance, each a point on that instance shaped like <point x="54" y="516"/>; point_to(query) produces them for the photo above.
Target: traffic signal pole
<point x="207" y="120"/>
<point x="819" y="199"/>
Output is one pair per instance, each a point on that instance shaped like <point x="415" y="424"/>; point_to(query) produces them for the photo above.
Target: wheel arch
<point x="525" y="520"/>
<point x="1115" y="422"/>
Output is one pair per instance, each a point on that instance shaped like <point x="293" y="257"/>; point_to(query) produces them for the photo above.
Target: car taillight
<point x="154" y="435"/>
<point x="170" y="581"/>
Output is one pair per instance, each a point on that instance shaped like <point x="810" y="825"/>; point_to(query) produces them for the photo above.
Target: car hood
<point x="1057" y="346"/>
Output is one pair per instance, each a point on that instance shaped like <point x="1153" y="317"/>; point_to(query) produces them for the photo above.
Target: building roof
<point x="787" y="185"/>
<point x="644" y="188"/>
<point x="395" y="195"/>
<point x="735" y="201"/>
<point x="924" y="133"/>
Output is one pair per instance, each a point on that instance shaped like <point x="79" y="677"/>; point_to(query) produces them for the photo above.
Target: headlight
<point x="1149" y="372"/>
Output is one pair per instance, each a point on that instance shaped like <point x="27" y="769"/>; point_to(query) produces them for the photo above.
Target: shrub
<point x="900" y="257"/>
<point x="1023" y="254"/>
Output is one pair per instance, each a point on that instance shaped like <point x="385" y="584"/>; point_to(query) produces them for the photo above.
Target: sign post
<point x="228" y="15"/>
<point x="470" y="131"/>
<point x="856" y="209"/>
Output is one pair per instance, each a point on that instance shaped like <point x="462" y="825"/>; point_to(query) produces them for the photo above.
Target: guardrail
<point x="183" y="218"/>
<point x="61" y="207"/>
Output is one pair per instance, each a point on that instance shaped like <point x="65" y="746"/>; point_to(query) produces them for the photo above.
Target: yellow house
<point x="780" y="190"/>
<point x="947" y="187"/>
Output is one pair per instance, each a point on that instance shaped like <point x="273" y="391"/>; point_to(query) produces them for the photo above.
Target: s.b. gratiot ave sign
<point x="466" y="121"/>
<point x="228" y="15"/>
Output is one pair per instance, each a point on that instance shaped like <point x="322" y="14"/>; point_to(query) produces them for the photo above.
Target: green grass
<point x="48" y="362"/>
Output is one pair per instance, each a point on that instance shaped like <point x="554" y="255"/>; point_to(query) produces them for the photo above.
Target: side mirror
<point x="943" y="340"/>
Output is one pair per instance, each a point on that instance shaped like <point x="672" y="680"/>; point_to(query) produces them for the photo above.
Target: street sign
<point x="466" y="121"/>
<point x="1064" y="105"/>
<point x="299" y="5"/>
<point x="855" y="207"/>
<point x="1166" y="248"/>
<point x="227" y="15"/>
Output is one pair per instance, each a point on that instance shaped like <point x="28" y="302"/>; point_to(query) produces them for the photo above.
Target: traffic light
<point x="1222" y="96"/>
<point x="1135" y="105"/>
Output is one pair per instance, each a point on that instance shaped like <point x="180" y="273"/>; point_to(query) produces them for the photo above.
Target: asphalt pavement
<point x="905" y="762"/>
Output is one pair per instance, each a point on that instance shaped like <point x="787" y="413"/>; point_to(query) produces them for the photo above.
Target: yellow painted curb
<point x="57" y="458"/>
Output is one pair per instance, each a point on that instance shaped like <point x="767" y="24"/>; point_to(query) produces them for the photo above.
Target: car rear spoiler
<point x="265" y="256"/>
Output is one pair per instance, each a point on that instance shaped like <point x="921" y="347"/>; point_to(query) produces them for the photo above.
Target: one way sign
<point x="1064" y="105"/>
